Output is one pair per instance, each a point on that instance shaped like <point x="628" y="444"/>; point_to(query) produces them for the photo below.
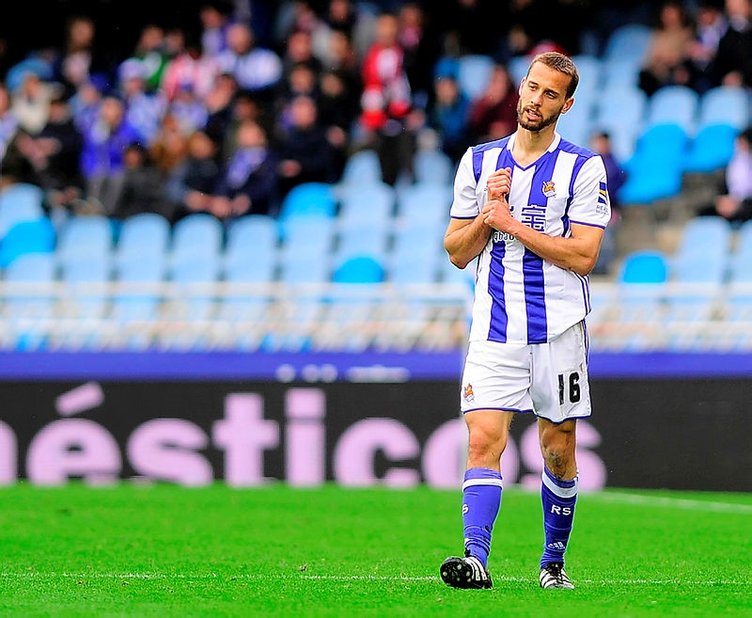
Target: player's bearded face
<point x="541" y="122"/>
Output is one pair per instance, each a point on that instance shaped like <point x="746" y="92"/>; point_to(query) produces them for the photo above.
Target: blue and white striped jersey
<point x="519" y="297"/>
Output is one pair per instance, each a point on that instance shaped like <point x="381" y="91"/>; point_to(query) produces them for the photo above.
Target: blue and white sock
<point x="558" y="498"/>
<point x="481" y="500"/>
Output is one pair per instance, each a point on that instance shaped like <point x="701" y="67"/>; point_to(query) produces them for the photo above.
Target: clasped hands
<point x="495" y="211"/>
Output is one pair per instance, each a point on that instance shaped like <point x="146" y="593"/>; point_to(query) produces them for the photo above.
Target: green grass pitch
<point x="164" y="550"/>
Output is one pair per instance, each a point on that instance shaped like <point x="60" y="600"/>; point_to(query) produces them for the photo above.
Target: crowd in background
<point x="229" y="110"/>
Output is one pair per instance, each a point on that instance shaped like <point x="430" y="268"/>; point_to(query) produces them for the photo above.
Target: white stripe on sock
<point x="562" y="492"/>
<point x="473" y="482"/>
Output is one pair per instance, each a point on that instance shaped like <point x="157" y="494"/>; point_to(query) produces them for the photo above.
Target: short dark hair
<point x="562" y="63"/>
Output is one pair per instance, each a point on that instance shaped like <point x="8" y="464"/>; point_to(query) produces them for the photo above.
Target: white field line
<point x="31" y="575"/>
<point x="665" y="501"/>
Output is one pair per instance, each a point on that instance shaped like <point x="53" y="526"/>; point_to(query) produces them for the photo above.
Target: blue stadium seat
<point x="703" y="251"/>
<point x="706" y="236"/>
<point x="417" y="252"/>
<point x="139" y="300"/>
<point x="86" y="237"/>
<point x="656" y="167"/>
<point x="309" y="198"/>
<point x="35" y="236"/>
<point x="433" y="166"/>
<point x="143" y="236"/>
<point x="362" y="166"/>
<point x="362" y="238"/>
<point x="28" y="312"/>
<point x="726" y="105"/>
<point x="359" y="269"/>
<point x="474" y="73"/>
<point x="374" y="201"/>
<point x="676" y="105"/>
<point x="517" y="67"/>
<point x="20" y="202"/>
<point x="699" y="267"/>
<point x="251" y="249"/>
<point x="641" y="286"/>
<point x="196" y="238"/>
<point x="299" y="268"/>
<point x="576" y="125"/>
<point x="711" y="149"/>
<point x="644" y="267"/>
<point x="741" y="258"/>
<point x="628" y="41"/>
<point x="194" y="282"/>
<point x="428" y="203"/>
<point x="308" y="235"/>
<point x="261" y="231"/>
<point x="619" y="73"/>
<point x="590" y="68"/>
<point x="621" y="115"/>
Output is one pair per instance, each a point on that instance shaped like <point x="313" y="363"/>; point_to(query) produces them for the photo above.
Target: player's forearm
<point x="573" y="254"/>
<point x="464" y="244"/>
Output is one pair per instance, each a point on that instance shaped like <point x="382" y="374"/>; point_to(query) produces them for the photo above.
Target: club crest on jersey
<point x="549" y="188"/>
<point x="469" y="395"/>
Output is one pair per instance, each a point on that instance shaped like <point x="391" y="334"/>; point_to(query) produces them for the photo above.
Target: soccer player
<point x="532" y="207"/>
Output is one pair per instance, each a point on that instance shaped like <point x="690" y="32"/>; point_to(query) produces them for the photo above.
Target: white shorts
<point x="548" y="379"/>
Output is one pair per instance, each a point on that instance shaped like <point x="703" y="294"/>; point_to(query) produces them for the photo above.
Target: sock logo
<point x="561" y="510"/>
<point x="558" y="546"/>
<point x="465" y="509"/>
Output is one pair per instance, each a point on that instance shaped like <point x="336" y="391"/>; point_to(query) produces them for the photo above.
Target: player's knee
<point x="485" y="448"/>
<point x="558" y="448"/>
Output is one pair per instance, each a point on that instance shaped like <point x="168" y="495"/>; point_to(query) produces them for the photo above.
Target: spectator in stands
<point x="301" y="80"/>
<point x="78" y="59"/>
<point x="151" y="52"/>
<point x="219" y="105"/>
<point x="170" y="146"/>
<point x="245" y="106"/>
<point x="667" y="61"/>
<point x="144" y="108"/>
<point x="494" y="113"/>
<point x="616" y="176"/>
<point x="735" y="200"/>
<point x="55" y="154"/>
<point x="188" y="109"/>
<point x="31" y="102"/>
<point x="142" y="186"/>
<point x="472" y="26"/>
<point x="449" y="114"/>
<point x="304" y="150"/>
<point x="192" y="182"/>
<point x="8" y="121"/>
<point x="215" y="17"/>
<point x="732" y="65"/>
<point x="420" y="51"/>
<point x="190" y="68"/>
<point x="102" y="161"/>
<point x="387" y="122"/>
<point x="341" y="57"/>
<point x="342" y="16"/>
<point x="338" y="110"/>
<point x="248" y="183"/>
<point x="256" y="69"/>
<point x="299" y="50"/>
<point x="710" y="25"/>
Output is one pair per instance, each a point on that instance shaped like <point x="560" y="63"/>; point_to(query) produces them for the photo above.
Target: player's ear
<point x="567" y="105"/>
